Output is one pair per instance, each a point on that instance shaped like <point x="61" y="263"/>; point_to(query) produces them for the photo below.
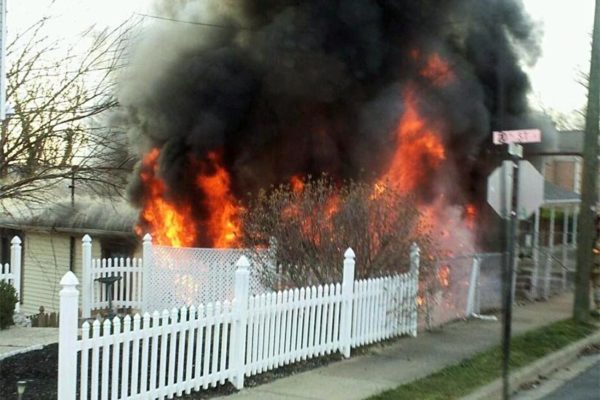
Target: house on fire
<point x="51" y="242"/>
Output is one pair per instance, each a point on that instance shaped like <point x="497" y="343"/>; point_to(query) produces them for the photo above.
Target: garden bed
<point x="39" y="368"/>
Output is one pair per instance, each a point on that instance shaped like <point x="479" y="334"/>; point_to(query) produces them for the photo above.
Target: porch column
<point x="575" y="222"/>
<point x="549" y="254"/>
<point x="564" y="246"/>
<point x="535" y="255"/>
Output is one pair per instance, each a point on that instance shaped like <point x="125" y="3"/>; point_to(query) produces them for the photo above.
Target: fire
<point x="174" y="224"/>
<point x="332" y="206"/>
<point x="223" y="222"/>
<point x="297" y="184"/>
<point x="419" y="153"/>
<point x="437" y="70"/>
<point x="419" y="148"/>
<point x="470" y="216"/>
<point x="378" y="190"/>
<point x="169" y="223"/>
<point x="444" y="275"/>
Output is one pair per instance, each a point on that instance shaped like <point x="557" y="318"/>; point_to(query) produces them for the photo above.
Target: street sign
<point x="531" y="189"/>
<point x="517" y="136"/>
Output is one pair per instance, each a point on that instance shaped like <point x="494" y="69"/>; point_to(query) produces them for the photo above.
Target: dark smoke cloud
<point x="285" y="87"/>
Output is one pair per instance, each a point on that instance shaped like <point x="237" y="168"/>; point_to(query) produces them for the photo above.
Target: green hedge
<point x="8" y="300"/>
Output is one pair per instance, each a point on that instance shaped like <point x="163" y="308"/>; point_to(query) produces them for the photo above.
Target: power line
<point x="205" y="24"/>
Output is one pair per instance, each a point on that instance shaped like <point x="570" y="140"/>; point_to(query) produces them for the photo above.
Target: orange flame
<point x="378" y="190"/>
<point x="437" y="70"/>
<point x="418" y="148"/>
<point x="470" y="215"/>
<point x="332" y="206"/>
<point x="223" y="223"/>
<point x="444" y="276"/>
<point x="297" y="184"/>
<point x="169" y="224"/>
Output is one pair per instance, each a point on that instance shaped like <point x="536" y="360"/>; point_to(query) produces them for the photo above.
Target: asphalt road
<point x="576" y="381"/>
<point x="585" y="386"/>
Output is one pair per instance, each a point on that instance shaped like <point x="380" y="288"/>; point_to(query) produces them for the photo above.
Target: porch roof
<point x="557" y="196"/>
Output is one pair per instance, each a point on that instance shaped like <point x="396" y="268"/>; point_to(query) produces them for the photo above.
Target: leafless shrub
<point x="311" y="224"/>
<point x="60" y="94"/>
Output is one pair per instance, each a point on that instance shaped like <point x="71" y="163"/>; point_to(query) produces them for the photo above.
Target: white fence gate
<point x="11" y="273"/>
<point x="127" y="292"/>
<point x="177" y="351"/>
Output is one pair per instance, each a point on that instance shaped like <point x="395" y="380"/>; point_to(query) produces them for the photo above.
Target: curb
<point x="20" y="351"/>
<point x="543" y="366"/>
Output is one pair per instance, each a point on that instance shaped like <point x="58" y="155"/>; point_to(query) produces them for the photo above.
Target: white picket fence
<point x="169" y="353"/>
<point x="11" y="272"/>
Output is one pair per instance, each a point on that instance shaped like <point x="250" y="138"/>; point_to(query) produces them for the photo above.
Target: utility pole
<point x="589" y="185"/>
<point x="72" y="238"/>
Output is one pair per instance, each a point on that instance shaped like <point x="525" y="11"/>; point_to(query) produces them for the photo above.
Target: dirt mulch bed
<point x="39" y="369"/>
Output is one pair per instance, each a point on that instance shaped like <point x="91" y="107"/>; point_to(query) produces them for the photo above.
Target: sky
<point x="566" y="47"/>
<point x="566" y="25"/>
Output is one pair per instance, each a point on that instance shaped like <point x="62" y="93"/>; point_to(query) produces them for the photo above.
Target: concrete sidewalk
<point x="407" y="359"/>
<point x="15" y="340"/>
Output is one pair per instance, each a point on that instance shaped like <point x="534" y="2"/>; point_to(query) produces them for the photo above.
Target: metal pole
<point x="509" y="276"/>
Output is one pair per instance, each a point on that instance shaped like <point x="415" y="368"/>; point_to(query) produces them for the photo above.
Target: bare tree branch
<point x="60" y="98"/>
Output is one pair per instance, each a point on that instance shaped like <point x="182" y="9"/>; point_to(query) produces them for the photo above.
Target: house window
<point x="4" y="250"/>
<point x="6" y="236"/>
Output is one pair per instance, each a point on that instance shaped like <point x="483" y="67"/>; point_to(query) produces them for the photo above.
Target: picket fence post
<point x="86" y="275"/>
<point x="415" y="259"/>
<point x="67" y="337"/>
<point x="147" y="269"/>
<point x="15" y="268"/>
<point x="238" y="346"/>
<point x="347" y="300"/>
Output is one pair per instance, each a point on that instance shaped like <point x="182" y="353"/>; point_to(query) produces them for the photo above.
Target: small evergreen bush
<point x="8" y="300"/>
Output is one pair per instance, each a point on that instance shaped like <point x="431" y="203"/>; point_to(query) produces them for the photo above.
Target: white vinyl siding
<point x="45" y="261"/>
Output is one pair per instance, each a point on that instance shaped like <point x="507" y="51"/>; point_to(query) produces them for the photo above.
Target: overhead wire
<point x="205" y="24"/>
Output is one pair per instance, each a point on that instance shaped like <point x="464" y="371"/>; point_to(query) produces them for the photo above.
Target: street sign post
<point x="503" y="195"/>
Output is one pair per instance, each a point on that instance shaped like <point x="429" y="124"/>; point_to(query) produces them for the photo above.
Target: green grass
<point x="461" y="379"/>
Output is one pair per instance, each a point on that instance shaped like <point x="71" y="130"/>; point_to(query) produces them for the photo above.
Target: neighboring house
<point x="563" y="167"/>
<point x="51" y="236"/>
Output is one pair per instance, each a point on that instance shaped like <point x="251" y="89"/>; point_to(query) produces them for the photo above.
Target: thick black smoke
<point x="297" y="87"/>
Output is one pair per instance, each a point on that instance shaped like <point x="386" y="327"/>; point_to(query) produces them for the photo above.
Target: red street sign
<point x="518" y="136"/>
